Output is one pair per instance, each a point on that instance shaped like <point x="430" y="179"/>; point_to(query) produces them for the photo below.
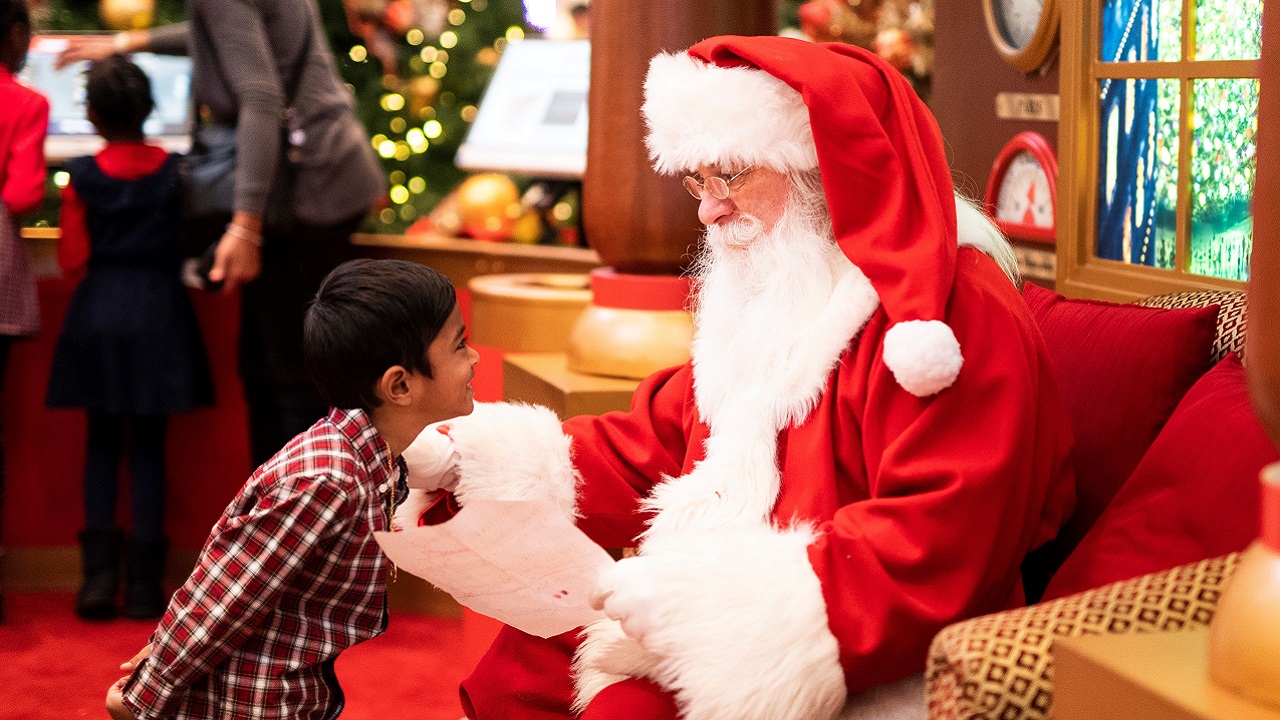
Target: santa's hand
<point x="432" y="460"/>
<point x="626" y="592"/>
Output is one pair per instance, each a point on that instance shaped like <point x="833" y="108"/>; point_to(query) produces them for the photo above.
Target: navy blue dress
<point x="130" y="343"/>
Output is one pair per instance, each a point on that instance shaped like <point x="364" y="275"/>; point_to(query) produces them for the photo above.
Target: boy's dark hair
<point x="368" y="316"/>
<point x="12" y="14"/>
<point x="119" y="94"/>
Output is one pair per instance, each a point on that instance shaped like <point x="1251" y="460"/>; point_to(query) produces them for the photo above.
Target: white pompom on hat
<point x="791" y="105"/>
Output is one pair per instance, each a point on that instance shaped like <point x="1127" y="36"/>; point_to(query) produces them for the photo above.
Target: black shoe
<point x="144" y="596"/>
<point x="100" y="556"/>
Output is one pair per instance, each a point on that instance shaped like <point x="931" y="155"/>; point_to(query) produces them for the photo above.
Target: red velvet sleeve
<point x="622" y="455"/>
<point x="962" y="485"/>
<point x="73" y="242"/>
<point x="24" y="184"/>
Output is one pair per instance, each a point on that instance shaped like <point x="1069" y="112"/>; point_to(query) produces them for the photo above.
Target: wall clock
<point x="1022" y="192"/>
<point x="1023" y="31"/>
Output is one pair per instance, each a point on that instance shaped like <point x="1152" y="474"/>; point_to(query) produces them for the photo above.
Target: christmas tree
<point x="416" y="91"/>
<point x="418" y="75"/>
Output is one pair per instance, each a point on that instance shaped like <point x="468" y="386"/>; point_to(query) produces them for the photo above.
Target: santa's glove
<point x="625" y="592"/>
<point x="432" y="460"/>
<point x="736" y="621"/>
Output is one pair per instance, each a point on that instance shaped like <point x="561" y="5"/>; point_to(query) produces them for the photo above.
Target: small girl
<point x="130" y="352"/>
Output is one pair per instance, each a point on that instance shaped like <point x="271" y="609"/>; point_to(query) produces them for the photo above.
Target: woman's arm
<point x="247" y="64"/>
<point x="166" y="40"/>
<point x="249" y="68"/>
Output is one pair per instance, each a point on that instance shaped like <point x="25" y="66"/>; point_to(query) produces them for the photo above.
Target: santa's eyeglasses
<point x="717" y="186"/>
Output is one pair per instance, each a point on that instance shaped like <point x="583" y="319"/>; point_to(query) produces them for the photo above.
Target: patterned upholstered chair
<point x="1000" y="666"/>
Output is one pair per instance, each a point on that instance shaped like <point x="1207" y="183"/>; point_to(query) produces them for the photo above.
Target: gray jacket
<point x="258" y="44"/>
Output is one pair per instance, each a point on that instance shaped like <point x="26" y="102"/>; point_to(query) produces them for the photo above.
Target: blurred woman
<point x="301" y="155"/>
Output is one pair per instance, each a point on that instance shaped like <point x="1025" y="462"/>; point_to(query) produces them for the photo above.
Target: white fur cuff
<point x="740" y="627"/>
<point x="923" y="355"/>
<point x="512" y="451"/>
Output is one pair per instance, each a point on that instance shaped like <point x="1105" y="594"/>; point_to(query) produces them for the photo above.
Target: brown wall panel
<point x="968" y="73"/>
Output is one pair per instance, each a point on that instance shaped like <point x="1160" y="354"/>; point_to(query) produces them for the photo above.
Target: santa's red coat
<point x="924" y="507"/>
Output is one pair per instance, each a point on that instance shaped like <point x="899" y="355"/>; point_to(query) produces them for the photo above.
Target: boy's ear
<point x="395" y="386"/>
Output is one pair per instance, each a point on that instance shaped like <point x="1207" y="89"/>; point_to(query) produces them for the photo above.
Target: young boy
<point x="291" y="575"/>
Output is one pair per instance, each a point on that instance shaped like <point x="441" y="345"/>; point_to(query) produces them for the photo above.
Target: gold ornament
<point x="120" y="15"/>
<point x="488" y="204"/>
<point x="896" y="46"/>
<point x="527" y="229"/>
<point x="422" y="92"/>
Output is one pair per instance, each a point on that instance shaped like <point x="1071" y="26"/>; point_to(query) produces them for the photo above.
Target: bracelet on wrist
<point x="120" y="41"/>
<point x="236" y="231"/>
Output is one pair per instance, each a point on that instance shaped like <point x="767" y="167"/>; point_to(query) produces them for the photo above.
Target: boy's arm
<point x="24" y="185"/>
<point x="251" y="559"/>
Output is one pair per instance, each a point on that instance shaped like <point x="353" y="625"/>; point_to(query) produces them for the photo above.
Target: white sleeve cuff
<point x="513" y="451"/>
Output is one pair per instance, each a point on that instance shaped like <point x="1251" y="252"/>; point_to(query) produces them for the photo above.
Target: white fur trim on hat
<point x="923" y="355"/>
<point x="702" y="114"/>
<point x="513" y="451"/>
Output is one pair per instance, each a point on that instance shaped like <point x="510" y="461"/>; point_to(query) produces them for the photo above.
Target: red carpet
<point x="54" y="666"/>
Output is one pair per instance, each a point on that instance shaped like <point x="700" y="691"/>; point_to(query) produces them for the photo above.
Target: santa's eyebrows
<point x="726" y="171"/>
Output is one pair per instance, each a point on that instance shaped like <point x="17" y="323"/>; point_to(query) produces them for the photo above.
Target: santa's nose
<point x="713" y="211"/>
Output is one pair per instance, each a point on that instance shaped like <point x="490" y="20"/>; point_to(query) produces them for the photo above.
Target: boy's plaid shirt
<point x="290" y="577"/>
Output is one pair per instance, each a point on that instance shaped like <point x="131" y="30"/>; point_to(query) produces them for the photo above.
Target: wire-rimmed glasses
<point x="717" y="186"/>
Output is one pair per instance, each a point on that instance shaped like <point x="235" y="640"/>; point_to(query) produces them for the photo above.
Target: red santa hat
<point x="793" y="105"/>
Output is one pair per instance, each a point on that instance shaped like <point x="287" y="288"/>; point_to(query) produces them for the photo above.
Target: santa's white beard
<point x="758" y="294"/>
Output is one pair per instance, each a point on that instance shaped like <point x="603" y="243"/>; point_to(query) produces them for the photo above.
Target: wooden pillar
<point x="1264" y="274"/>
<point x="637" y="221"/>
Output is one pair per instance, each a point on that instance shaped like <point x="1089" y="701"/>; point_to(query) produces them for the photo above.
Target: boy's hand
<point x="432" y="460"/>
<point x="129" y="665"/>
<point x="115" y="701"/>
<point x="115" y="694"/>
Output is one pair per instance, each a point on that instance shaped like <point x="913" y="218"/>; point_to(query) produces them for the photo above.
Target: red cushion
<point x="1122" y="370"/>
<point x="1193" y="496"/>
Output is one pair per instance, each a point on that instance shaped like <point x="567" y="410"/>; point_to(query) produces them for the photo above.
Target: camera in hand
<point x="195" y="271"/>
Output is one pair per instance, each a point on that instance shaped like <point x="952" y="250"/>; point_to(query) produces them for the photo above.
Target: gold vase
<point x="1244" y="637"/>
<point x="122" y="15"/>
<point x="634" y="326"/>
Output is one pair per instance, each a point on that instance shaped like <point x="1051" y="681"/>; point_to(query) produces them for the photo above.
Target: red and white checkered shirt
<point x="290" y="577"/>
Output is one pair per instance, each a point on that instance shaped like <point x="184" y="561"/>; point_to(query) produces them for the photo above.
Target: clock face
<point x="1018" y="20"/>
<point x="1024" y="197"/>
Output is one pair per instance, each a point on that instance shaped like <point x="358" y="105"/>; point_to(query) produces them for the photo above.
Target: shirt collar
<point x="371" y="449"/>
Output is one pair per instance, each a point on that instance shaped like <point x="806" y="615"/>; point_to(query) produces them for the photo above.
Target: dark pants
<point x="281" y="399"/>
<point x="106" y="446"/>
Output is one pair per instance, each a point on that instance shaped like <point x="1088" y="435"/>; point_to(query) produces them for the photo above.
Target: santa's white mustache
<point x="737" y="233"/>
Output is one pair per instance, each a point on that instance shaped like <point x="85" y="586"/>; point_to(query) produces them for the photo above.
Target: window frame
<point x="1080" y="272"/>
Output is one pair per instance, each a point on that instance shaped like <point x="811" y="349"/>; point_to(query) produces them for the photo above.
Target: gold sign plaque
<point x="1027" y="106"/>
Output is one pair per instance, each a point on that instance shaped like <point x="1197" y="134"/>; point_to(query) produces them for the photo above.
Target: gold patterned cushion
<point x="1000" y="667"/>
<point x="1231" y="316"/>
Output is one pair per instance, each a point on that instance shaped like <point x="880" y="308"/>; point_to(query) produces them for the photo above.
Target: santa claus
<point x="864" y="446"/>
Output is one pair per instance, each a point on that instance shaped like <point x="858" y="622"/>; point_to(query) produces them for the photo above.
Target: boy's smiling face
<point x="448" y="392"/>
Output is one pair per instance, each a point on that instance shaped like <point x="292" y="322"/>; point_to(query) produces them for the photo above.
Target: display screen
<point x="70" y="132"/>
<point x="533" y="117"/>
